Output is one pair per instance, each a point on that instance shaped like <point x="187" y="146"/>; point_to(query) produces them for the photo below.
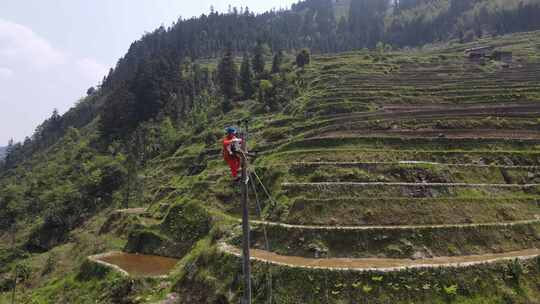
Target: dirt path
<point x="376" y="264"/>
<point x="144" y="216"/>
<point x="132" y="211"/>
<point x="401" y="227"/>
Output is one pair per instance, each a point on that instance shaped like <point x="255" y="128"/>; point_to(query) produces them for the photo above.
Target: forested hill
<point x="133" y="91"/>
<point x="3" y="151"/>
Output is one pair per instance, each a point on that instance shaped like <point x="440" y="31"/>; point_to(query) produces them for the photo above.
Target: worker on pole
<point x="235" y="153"/>
<point x="232" y="153"/>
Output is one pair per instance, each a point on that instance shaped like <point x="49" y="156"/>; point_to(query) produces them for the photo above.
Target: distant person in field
<point x="231" y="152"/>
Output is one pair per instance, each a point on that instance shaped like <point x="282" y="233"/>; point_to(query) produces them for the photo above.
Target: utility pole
<point x="245" y="219"/>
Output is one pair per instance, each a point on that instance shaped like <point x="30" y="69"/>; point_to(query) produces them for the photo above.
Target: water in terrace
<point x="138" y="265"/>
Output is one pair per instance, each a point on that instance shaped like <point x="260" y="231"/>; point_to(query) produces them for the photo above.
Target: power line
<point x="266" y="242"/>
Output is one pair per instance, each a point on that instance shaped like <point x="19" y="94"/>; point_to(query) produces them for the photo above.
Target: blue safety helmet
<point x="231" y="130"/>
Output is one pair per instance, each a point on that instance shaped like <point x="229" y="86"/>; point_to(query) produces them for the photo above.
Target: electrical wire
<point x="265" y="234"/>
<point x="264" y="189"/>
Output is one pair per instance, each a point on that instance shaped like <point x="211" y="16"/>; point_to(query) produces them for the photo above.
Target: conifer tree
<point x="258" y="58"/>
<point x="10" y="146"/>
<point x="266" y="94"/>
<point x="366" y="21"/>
<point x="118" y="115"/>
<point x="246" y="78"/>
<point x="277" y="62"/>
<point x="227" y="75"/>
<point x="303" y="58"/>
<point x="226" y="105"/>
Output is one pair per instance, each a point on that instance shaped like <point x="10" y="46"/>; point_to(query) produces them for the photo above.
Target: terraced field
<point x="404" y="177"/>
<point x="401" y="162"/>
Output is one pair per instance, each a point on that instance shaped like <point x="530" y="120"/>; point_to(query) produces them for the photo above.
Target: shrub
<point x="187" y="221"/>
<point x="303" y="58"/>
<point x="90" y="270"/>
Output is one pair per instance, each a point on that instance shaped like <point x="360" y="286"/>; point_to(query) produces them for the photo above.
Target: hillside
<point x="148" y="81"/>
<point x="402" y="173"/>
<point x="405" y="177"/>
<point x="395" y="177"/>
<point x="3" y="152"/>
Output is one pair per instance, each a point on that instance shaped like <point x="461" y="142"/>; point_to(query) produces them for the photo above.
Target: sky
<point x="52" y="51"/>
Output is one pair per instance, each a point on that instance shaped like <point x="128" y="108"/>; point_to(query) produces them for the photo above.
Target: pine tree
<point x="258" y="58"/>
<point x="10" y="146"/>
<point x="277" y="62"/>
<point x="227" y="75"/>
<point x="91" y="91"/>
<point x="55" y="123"/>
<point x="303" y="58"/>
<point x="246" y="78"/>
<point x="118" y="115"/>
<point x="366" y="21"/>
<point x="266" y="95"/>
<point x="226" y="105"/>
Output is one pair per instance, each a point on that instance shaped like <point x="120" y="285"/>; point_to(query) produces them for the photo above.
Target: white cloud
<point x="20" y="45"/>
<point x="22" y="49"/>
<point x="5" y="73"/>
<point x="41" y="77"/>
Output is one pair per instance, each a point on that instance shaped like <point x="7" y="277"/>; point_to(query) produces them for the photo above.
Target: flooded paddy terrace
<point x="136" y="265"/>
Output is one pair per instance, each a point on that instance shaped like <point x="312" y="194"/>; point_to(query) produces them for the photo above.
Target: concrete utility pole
<point x="245" y="220"/>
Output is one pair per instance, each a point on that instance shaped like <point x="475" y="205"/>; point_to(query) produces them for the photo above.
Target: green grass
<point x="346" y="190"/>
<point x="483" y="284"/>
<point x="420" y="144"/>
<point x="407" y="211"/>
<point x="397" y="243"/>
<point x="355" y="154"/>
<point x="410" y="173"/>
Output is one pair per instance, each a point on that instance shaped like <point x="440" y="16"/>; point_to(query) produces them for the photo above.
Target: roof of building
<point x="481" y="48"/>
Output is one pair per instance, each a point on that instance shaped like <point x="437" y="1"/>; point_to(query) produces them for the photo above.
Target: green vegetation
<point x="303" y="58"/>
<point x="227" y="75"/>
<point x="185" y="224"/>
<point x="398" y="242"/>
<point x="477" y="284"/>
<point x="149" y="137"/>
<point x="407" y="211"/>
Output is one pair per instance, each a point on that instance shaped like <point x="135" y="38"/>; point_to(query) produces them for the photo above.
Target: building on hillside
<point x="502" y="56"/>
<point x="484" y="53"/>
<point x="479" y="52"/>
